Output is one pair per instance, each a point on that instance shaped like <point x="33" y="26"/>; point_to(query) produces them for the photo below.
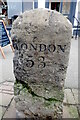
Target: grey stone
<point x="33" y="106"/>
<point x="41" y="39"/>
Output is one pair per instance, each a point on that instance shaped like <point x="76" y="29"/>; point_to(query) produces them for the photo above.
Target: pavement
<point x="6" y="65"/>
<point x="71" y="105"/>
<point x="8" y="109"/>
<point x="72" y="71"/>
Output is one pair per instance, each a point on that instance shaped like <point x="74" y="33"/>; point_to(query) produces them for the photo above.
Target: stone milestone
<point x="41" y="39"/>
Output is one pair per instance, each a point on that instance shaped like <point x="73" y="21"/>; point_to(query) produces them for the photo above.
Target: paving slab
<point x="7" y="92"/>
<point x="69" y="97"/>
<point x="2" y="111"/>
<point x="5" y="99"/>
<point x="6" y="65"/>
<point x="7" y="88"/>
<point x="78" y="110"/>
<point x="72" y="71"/>
<point x="7" y="83"/>
<point x="75" y="94"/>
<point x="11" y="111"/>
<point x="70" y="111"/>
<point x="79" y="96"/>
<point x="0" y="98"/>
<point x="0" y="90"/>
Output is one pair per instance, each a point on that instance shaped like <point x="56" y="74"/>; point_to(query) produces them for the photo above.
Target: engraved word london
<point x="47" y="49"/>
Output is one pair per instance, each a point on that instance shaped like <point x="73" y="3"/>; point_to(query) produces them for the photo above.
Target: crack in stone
<point x="25" y="85"/>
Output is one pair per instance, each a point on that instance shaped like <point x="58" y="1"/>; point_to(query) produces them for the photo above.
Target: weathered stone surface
<point x="41" y="39"/>
<point x="33" y="106"/>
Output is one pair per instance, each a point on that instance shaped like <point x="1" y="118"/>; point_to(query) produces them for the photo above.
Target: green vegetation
<point x="73" y="111"/>
<point x="21" y="85"/>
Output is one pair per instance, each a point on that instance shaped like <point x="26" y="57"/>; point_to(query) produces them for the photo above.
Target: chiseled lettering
<point x="62" y="48"/>
<point x="24" y="46"/>
<point x="42" y="47"/>
<point x="33" y="47"/>
<point x="51" y="48"/>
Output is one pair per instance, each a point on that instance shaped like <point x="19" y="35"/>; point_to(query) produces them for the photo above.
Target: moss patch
<point x="25" y="87"/>
<point x="73" y="111"/>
